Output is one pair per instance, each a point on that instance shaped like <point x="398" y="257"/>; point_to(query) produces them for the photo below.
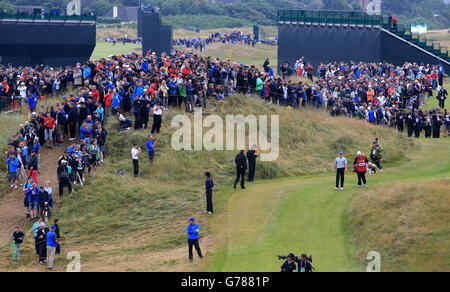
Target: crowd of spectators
<point x="379" y="93"/>
<point x="146" y="85"/>
<point x="200" y="43"/>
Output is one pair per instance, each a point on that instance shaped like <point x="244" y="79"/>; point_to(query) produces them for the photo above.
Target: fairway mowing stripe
<point x="273" y="209"/>
<point x="268" y="217"/>
<point x="202" y="202"/>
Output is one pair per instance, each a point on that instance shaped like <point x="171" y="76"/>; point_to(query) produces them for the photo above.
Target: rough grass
<point x="9" y="125"/>
<point x="123" y="218"/>
<point x="106" y="32"/>
<point x="407" y="223"/>
<point x="432" y="102"/>
<point x="104" y="49"/>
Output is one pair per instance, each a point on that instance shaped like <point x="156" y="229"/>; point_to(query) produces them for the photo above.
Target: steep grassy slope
<point x="123" y="223"/>
<point x="407" y="223"/>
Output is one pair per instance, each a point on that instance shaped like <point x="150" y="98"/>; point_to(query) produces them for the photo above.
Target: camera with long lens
<point x="295" y="258"/>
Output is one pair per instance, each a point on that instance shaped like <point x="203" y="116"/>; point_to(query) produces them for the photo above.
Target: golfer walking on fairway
<point x="340" y="167"/>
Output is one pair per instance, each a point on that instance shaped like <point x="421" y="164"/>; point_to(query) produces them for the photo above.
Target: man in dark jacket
<point x="410" y="122"/>
<point x="41" y="242"/>
<point x="64" y="157"/>
<point x="73" y="120"/>
<point x="241" y="168"/>
<point x="417" y="124"/>
<point x="18" y="237"/>
<point x="42" y="199"/>
<point x="58" y="235"/>
<point x="60" y="126"/>
<point x="209" y="184"/>
<point x="399" y="119"/>
<point x="63" y="178"/>
<point x="251" y="156"/>
<point x="30" y="138"/>
<point x="436" y="122"/>
<point x="33" y="166"/>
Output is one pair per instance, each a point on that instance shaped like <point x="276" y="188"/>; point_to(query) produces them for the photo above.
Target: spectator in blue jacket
<point x="173" y="87"/>
<point x="138" y="90"/>
<point x="13" y="165"/>
<point x="37" y="146"/>
<point x="192" y="230"/>
<point x="86" y="72"/>
<point x="116" y="101"/>
<point x="32" y="102"/>
<point x="151" y="149"/>
<point x="144" y="65"/>
<point x="33" y="199"/>
<point x="372" y="116"/>
<point x="85" y="132"/>
<point x="52" y="243"/>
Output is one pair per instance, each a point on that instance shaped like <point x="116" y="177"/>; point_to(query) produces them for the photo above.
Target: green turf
<point x="309" y="216"/>
<point x="432" y="102"/>
<point x="104" y="49"/>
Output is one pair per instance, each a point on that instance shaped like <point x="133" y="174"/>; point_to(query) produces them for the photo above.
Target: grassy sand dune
<point x="408" y="223"/>
<point x="121" y="220"/>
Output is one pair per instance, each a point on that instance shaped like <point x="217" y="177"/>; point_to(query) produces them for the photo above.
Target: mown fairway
<point x="306" y="214"/>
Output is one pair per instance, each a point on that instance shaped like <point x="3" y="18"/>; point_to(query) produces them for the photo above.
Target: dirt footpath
<point x="12" y="211"/>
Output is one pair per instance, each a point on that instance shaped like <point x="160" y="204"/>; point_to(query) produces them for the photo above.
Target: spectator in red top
<point x="49" y="124"/>
<point x="108" y="102"/>
<point x="434" y="78"/>
<point x="95" y="94"/>
<point x="186" y="70"/>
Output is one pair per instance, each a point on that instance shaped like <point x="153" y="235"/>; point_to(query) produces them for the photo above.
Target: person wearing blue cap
<point x="192" y="230"/>
<point x="52" y="242"/>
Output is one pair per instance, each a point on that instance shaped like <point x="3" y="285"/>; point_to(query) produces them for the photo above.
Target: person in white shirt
<point x="157" y="118"/>
<point x="135" y="151"/>
<point x="340" y="167"/>
<point x="22" y="90"/>
<point x="381" y="99"/>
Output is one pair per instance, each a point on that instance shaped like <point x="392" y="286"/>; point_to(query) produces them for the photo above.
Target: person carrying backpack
<point x="375" y="154"/>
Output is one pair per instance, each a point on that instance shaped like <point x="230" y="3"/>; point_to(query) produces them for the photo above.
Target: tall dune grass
<point x="407" y="224"/>
<point x="149" y="213"/>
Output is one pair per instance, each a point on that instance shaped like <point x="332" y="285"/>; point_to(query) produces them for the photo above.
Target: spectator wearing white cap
<point x="22" y="90"/>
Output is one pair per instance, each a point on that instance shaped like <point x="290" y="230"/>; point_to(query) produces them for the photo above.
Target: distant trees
<point x="434" y="12"/>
